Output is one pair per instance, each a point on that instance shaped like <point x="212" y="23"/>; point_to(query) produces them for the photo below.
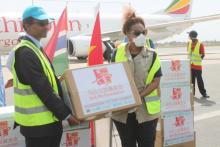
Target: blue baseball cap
<point x="36" y="12"/>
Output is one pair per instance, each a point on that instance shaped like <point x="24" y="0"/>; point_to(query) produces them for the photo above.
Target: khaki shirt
<point x="139" y="66"/>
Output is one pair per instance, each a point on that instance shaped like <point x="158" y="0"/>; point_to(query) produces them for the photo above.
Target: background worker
<point x="39" y="108"/>
<point x="137" y="127"/>
<point x="196" y="53"/>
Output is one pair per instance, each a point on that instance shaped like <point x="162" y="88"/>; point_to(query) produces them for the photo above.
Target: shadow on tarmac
<point x="204" y="101"/>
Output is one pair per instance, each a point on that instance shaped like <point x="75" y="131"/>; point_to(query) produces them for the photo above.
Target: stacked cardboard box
<point x="98" y="91"/>
<point x="176" y="125"/>
<point x="73" y="136"/>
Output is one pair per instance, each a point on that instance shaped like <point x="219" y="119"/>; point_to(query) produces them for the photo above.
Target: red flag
<point x="95" y="55"/>
<point x="58" y="41"/>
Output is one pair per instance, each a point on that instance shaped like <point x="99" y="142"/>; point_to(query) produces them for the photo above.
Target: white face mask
<point x="140" y="40"/>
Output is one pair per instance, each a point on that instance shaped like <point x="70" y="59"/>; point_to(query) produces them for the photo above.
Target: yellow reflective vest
<point x="29" y="109"/>
<point x="152" y="101"/>
<point x="195" y="56"/>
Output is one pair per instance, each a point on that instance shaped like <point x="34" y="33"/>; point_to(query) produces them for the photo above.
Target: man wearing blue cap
<point x="39" y="108"/>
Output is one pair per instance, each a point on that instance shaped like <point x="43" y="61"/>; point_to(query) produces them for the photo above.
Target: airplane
<point x="174" y="19"/>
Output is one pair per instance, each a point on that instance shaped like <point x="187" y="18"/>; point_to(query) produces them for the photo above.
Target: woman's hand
<point x="154" y="85"/>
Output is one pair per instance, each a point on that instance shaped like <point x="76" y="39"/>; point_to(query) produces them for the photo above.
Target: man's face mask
<point x="140" y="40"/>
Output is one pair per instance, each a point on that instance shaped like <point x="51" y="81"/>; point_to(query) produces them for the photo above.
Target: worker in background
<point x="196" y="53"/>
<point x="39" y="108"/>
<point x="137" y="127"/>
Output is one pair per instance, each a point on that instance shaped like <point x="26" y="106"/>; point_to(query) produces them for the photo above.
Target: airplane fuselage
<point x="82" y="24"/>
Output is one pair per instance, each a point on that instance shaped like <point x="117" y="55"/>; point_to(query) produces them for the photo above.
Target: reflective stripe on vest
<point x="152" y="101"/>
<point x="29" y="109"/>
<point x="23" y="91"/>
<point x="195" y="55"/>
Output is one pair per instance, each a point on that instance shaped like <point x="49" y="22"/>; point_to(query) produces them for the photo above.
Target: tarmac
<point x="206" y="111"/>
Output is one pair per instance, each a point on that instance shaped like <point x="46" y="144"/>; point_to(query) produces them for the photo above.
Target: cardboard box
<point x="175" y="71"/>
<point x="175" y="98"/>
<point x="175" y="85"/>
<point x="178" y="127"/>
<point x="73" y="136"/>
<point x="8" y="136"/>
<point x="76" y="138"/>
<point x="159" y="141"/>
<point x="186" y="144"/>
<point x="96" y="91"/>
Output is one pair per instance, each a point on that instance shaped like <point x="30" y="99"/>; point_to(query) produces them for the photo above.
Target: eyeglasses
<point x="41" y="23"/>
<point x="137" y="33"/>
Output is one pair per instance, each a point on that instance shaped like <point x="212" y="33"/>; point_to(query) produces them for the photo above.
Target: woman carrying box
<point x="137" y="127"/>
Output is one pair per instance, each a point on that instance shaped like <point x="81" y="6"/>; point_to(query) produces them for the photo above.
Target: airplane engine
<point x="79" y="46"/>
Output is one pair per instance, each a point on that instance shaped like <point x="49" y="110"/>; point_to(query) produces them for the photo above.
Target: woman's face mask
<point x="140" y="40"/>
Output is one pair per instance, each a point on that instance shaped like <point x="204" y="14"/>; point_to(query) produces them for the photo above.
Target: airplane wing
<point x="166" y="29"/>
<point x="189" y="21"/>
<point x="176" y="27"/>
<point x="163" y="30"/>
<point x="113" y="35"/>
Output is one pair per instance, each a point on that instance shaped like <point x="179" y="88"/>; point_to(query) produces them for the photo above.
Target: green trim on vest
<point x="152" y="101"/>
<point x="195" y="55"/>
<point x="29" y="109"/>
<point x="148" y="43"/>
<point x="153" y="106"/>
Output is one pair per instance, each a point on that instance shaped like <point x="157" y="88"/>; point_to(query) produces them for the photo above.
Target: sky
<point x="207" y="30"/>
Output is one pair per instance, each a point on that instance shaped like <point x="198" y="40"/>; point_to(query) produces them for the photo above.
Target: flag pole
<point x="67" y="34"/>
<point x="95" y="56"/>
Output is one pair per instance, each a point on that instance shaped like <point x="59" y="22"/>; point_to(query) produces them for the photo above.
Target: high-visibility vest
<point x="152" y="101"/>
<point x="148" y="43"/>
<point x="29" y="109"/>
<point x="195" y="55"/>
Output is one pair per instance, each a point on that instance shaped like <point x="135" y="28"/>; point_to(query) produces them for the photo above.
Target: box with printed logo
<point x="175" y="71"/>
<point x="175" y="98"/>
<point x="178" y="127"/>
<point x="175" y="85"/>
<point x="9" y="136"/>
<point x="73" y="136"/>
<point x="96" y="91"/>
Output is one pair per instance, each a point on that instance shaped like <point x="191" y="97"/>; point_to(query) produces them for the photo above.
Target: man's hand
<point x="73" y="121"/>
